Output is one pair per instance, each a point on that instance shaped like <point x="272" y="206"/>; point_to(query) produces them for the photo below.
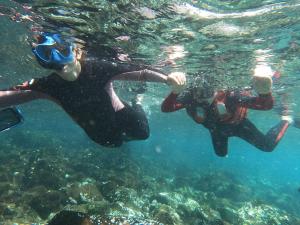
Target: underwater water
<point x="48" y="164"/>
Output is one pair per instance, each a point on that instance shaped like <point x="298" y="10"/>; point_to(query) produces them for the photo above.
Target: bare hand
<point x="177" y="80"/>
<point x="262" y="79"/>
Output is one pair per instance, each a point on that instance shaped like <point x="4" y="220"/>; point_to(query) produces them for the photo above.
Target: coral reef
<point x="112" y="186"/>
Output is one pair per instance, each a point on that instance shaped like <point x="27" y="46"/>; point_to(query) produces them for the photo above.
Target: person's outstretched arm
<point x="262" y="84"/>
<point x="176" y="79"/>
<point x="143" y="75"/>
<point x="18" y="95"/>
<point x="171" y="104"/>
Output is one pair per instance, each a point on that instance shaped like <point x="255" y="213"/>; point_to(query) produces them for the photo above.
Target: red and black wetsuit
<point x="234" y="122"/>
<point x="89" y="104"/>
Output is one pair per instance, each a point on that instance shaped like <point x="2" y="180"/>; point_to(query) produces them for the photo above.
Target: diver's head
<point x="203" y="91"/>
<point x="52" y="52"/>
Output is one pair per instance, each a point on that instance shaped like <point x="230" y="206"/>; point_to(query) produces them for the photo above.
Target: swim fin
<point x="10" y="117"/>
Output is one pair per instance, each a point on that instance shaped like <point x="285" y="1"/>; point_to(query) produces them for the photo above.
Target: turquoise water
<point x="220" y="39"/>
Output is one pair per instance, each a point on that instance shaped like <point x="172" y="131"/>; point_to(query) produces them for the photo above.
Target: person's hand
<point x="262" y="79"/>
<point x="177" y="80"/>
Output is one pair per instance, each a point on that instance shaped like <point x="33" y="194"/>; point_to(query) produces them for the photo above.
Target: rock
<point x="108" y="189"/>
<point x="9" y="211"/>
<point x="5" y="187"/>
<point x="172" y="199"/>
<point x="46" y="202"/>
<point x="72" y="218"/>
<point x="167" y="215"/>
<point x="190" y="212"/>
<point x="228" y="214"/>
<point x="250" y="213"/>
<point x="125" y="194"/>
<point x="85" y="191"/>
<point x="43" y="172"/>
<point x="99" y="208"/>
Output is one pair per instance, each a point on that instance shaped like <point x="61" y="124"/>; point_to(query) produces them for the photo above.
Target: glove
<point x="262" y="79"/>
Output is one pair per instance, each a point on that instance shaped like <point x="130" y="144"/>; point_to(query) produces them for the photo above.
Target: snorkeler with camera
<point x="224" y="112"/>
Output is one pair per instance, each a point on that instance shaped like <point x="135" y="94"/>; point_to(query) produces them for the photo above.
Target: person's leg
<point x="248" y="131"/>
<point x="98" y="120"/>
<point x="220" y="142"/>
<point x="133" y="122"/>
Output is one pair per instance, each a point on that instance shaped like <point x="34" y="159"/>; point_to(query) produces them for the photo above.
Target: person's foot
<point x="288" y="118"/>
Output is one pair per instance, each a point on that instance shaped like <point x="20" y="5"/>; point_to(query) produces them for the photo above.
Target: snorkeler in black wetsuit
<point x="224" y="114"/>
<point x="82" y="85"/>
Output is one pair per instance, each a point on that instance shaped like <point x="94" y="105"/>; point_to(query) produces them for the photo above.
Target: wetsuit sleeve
<point x="261" y="102"/>
<point x="170" y="104"/>
<point x="142" y="75"/>
<point x="19" y="94"/>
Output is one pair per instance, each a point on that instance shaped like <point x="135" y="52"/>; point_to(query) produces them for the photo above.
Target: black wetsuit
<point x="234" y="122"/>
<point x="89" y="104"/>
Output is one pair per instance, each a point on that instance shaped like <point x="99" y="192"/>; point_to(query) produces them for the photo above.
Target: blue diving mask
<point x="52" y="52"/>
